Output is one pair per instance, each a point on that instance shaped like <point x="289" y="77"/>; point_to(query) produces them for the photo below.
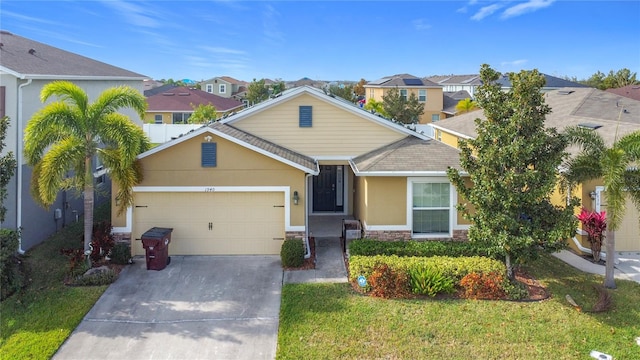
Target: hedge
<point x="370" y="247"/>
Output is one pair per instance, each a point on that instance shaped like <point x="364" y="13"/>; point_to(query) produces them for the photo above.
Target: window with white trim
<point x="403" y="94"/>
<point x="210" y="88"/>
<point x="222" y="88"/>
<point x="181" y="118"/>
<point x="422" y="95"/>
<point x="435" y="117"/>
<point x="158" y="119"/>
<point x="431" y="208"/>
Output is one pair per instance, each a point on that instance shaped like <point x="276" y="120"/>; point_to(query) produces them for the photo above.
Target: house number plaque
<point x="209" y="189"/>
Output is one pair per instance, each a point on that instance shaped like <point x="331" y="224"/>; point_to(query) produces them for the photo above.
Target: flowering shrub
<point x="387" y="283"/>
<point x="483" y="286"/>
<point x="595" y="224"/>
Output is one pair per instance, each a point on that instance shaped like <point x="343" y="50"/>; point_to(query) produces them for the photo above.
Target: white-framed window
<point x="209" y="88"/>
<point x="158" y="119"/>
<point x="222" y="88"/>
<point x="181" y="118"/>
<point x="403" y="94"/>
<point x="430" y="207"/>
<point x="372" y="93"/>
<point x="435" y="117"/>
<point x="422" y="95"/>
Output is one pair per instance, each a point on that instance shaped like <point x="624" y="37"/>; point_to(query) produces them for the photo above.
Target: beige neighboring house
<point x="25" y="67"/>
<point x="608" y="114"/>
<point x="244" y="184"/>
<point x="426" y="91"/>
<point x="225" y="86"/>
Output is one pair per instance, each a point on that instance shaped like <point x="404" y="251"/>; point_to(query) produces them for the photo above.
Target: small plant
<point x="292" y="253"/>
<point x="387" y="283"/>
<point x="120" y="254"/>
<point x="428" y="281"/>
<point x="11" y="279"/>
<point x="515" y="290"/>
<point x="595" y="224"/>
<point x="483" y="286"/>
<point x="77" y="263"/>
<point x="101" y="278"/>
<point x="102" y="241"/>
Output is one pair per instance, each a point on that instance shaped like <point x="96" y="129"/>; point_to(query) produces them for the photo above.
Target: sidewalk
<point x="627" y="268"/>
<point x="329" y="265"/>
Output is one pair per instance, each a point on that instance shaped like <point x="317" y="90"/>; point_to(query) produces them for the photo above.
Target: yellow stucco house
<point x="427" y="92"/>
<point x="244" y="184"/>
<point x="606" y="113"/>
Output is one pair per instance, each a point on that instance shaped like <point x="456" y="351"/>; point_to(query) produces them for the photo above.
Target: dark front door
<point x="325" y="189"/>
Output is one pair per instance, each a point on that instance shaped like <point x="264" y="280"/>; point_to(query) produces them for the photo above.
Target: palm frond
<point x="55" y="165"/>
<point x="118" y="97"/>
<point x="589" y="141"/>
<point x="116" y="130"/>
<point x="68" y="92"/>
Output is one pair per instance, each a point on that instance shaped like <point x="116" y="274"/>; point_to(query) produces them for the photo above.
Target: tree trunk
<point x="88" y="205"/>
<point x="507" y="263"/>
<point x="609" y="281"/>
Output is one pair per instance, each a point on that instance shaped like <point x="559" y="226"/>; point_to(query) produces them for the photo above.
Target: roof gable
<point x="25" y="58"/>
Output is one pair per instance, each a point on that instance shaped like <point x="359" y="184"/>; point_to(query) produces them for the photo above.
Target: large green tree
<point x="406" y="110"/>
<point x="346" y="92"/>
<point x="7" y="166"/>
<point x="62" y="139"/>
<point x="257" y="92"/>
<point x="203" y="113"/>
<point x="513" y="164"/>
<point x="617" y="167"/>
<point x="612" y="80"/>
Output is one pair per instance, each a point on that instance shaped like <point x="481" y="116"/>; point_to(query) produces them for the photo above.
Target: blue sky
<point x="336" y="40"/>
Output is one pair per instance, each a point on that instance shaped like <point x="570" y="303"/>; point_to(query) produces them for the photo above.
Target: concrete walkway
<point x="329" y="265"/>
<point x="627" y="268"/>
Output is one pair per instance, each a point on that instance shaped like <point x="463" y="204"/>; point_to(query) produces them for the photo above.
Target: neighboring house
<point x="226" y="87"/>
<point x="629" y="91"/>
<point x="175" y="105"/>
<point x="243" y="184"/>
<point x="305" y="81"/>
<point x="609" y="114"/>
<point x="25" y="67"/>
<point x="455" y="83"/>
<point x="426" y="91"/>
<point x="450" y="101"/>
<point x="159" y="89"/>
<point x="149" y="84"/>
<point x="551" y="83"/>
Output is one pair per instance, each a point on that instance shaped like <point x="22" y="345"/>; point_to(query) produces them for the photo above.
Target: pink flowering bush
<point x="595" y="224"/>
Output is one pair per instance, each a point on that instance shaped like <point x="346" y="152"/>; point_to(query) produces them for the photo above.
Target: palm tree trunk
<point x="88" y="205"/>
<point x="609" y="281"/>
<point x="507" y="263"/>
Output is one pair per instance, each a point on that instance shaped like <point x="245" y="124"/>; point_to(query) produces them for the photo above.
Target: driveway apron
<point x="198" y="307"/>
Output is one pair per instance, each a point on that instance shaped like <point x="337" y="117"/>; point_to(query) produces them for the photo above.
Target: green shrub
<point x="371" y="247"/>
<point x="101" y="278"/>
<point x="77" y="261"/>
<point x="515" y="290"/>
<point x="429" y="281"/>
<point x="387" y="283"/>
<point x="11" y="278"/>
<point x="101" y="241"/>
<point x="121" y="254"/>
<point x="292" y="253"/>
<point x="454" y="268"/>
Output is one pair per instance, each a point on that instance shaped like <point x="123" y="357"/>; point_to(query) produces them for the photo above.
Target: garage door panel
<point x="242" y="223"/>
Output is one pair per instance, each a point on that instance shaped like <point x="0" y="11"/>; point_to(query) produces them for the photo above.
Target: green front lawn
<point x="331" y="321"/>
<point x="37" y="320"/>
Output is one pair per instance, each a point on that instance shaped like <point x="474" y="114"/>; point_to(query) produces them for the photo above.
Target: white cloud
<point x="222" y="50"/>
<point x="513" y="63"/>
<point x="523" y="8"/>
<point x="134" y="14"/>
<point x="486" y="11"/>
<point x="270" y="25"/>
<point x="420" y="24"/>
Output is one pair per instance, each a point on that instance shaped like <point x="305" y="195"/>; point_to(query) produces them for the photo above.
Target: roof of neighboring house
<point x="450" y="100"/>
<point x="231" y="80"/>
<point x="550" y="82"/>
<point x="180" y="99"/>
<point x="473" y="79"/>
<point x="246" y="140"/>
<point x="402" y="80"/>
<point x="408" y="155"/>
<point x="629" y="91"/>
<point x="25" y="58"/>
<point x="159" y="89"/>
<point x="569" y="107"/>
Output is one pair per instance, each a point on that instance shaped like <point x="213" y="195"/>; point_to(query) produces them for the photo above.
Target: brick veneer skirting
<point x="405" y="235"/>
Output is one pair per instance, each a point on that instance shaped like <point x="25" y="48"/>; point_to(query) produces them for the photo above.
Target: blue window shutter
<point x="209" y="154"/>
<point x="305" y="116"/>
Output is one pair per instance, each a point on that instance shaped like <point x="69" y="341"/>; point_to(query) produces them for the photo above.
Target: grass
<point x="37" y="320"/>
<point x="331" y="321"/>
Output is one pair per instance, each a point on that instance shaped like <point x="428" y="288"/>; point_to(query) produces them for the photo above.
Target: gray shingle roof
<point x="409" y="155"/>
<point x="398" y="80"/>
<point x="571" y="107"/>
<point x="32" y="59"/>
<point x="551" y="82"/>
<point x="275" y="149"/>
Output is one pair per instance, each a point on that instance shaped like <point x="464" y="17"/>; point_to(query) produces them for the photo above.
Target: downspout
<point x="20" y="143"/>
<point x="307" y="253"/>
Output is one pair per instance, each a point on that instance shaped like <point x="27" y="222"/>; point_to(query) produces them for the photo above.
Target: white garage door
<point x="218" y="223"/>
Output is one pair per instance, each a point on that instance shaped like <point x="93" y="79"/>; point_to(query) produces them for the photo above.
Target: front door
<point x="327" y="189"/>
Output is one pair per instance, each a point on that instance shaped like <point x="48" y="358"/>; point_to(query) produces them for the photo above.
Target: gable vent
<point x="209" y="154"/>
<point x="589" y="126"/>
<point x="305" y="119"/>
<point x="168" y="94"/>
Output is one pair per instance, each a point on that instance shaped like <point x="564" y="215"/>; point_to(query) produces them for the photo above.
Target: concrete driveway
<point x="198" y="307"/>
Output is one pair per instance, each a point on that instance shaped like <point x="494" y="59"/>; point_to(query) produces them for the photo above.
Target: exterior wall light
<point x="296" y="198"/>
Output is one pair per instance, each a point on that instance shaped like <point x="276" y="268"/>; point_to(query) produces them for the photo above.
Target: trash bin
<point x="156" y="245"/>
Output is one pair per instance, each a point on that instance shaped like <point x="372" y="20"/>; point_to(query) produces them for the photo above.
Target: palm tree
<point x="617" y="167"/>
<point x="65" y="135"/>
<point x="466" y="105"/>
